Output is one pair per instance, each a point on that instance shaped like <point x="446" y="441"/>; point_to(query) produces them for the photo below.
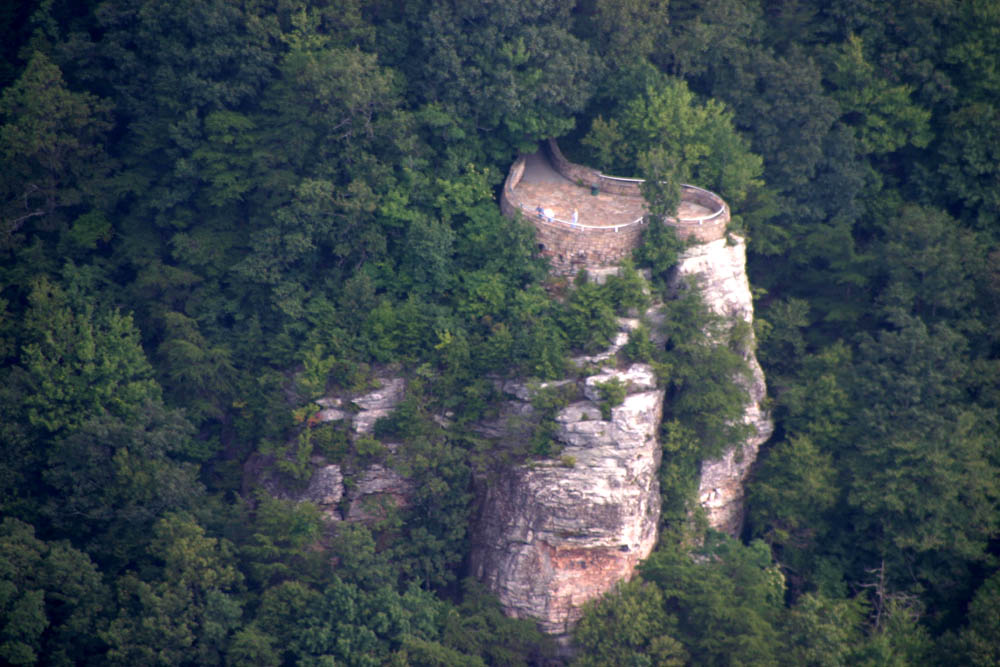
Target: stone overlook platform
<point x="610" y="212"/>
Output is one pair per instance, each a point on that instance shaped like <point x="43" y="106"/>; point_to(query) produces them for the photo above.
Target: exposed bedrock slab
<point x="325" y="487"/>
<point x="720" y="267"/>
<point x="370" y="406"/>
<point x="554" y="534"/>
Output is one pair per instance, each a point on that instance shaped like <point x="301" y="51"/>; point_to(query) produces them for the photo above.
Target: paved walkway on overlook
<point x="541" y="185"/>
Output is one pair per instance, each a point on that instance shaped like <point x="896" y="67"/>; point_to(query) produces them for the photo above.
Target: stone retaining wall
<point x="707" y="230"/>
<point x="587" y="176"/>
<point x="713" y="230"/>
<point x="570" y="249"/>
<point x="508" y="200"/>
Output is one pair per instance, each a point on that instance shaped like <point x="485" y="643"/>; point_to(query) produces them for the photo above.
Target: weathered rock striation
<point x="549" y="535"/>
<point x="720" y="268"/>
<point x="553" y="534"/>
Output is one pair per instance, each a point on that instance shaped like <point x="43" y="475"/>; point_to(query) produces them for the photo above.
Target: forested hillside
<point x="212" y="212"/>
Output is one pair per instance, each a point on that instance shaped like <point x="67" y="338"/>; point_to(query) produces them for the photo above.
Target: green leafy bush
<point x="612" y="393"/>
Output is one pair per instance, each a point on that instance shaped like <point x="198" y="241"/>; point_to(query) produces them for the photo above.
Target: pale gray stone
<point x="578" y="412"/>
<point x="375" y="485"/>
<point x="331" y="415"/>
<point x="525" y="391"/>
<point x="326" y="487"/>
<point x="637" y="377"/>
<point x="379" y="403"/>
<point x="364" y="421"/>
<point x="553" y="534"/>
<point x="329" y="402"/>
<point x="721" y="269"/>
<point x="386" y="397"/>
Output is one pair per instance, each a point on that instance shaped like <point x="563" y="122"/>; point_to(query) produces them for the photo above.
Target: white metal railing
<point x="555" y="156"/>
<point x="625" y="180"/>
<point x="557" y="222"/>
<point x="533" y="214"/>
<point x="704" y="218"/>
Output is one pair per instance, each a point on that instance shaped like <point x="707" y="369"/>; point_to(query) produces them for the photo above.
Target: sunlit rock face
<point x="552" y="534"/>
<point x="549" y="535"/>
<point x="720" y="268"/>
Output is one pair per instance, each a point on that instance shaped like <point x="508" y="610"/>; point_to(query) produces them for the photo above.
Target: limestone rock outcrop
<point x="377" y="486"/>
<point x="371" y="487"/>
<point x="370" y="406"/>
<point x="720" y="268"/>
<point x="553" y="534"/>
<point x="549" y="535"/>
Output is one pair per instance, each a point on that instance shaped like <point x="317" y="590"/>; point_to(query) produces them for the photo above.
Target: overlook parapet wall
<point x="703" y="228"/>
<point x="600" y="238"/>
<point x="571" y="246"/>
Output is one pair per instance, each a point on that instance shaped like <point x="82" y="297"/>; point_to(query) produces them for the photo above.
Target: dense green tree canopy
<point x="213" y="213"/>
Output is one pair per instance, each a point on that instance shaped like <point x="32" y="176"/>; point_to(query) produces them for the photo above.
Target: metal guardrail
<point x="624" y="180"/>
<point x="704" y="218"/>
<point x="559" y="222"/>
<point x="534" y="215"/>
<point x="556" y="157"/>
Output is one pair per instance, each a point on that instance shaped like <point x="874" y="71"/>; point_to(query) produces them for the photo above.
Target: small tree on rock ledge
<point x="662" y="187"/>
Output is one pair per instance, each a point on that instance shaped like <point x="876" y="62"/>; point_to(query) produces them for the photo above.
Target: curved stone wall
<point x="508" y="200"/>
<point x="570" y="248"/>
<point x="702" y="230"/>
<point x="573" y="247"/>
<point x="588" y="176"/>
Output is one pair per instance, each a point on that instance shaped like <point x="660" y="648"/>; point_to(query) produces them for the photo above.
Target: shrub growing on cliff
<point x="658" y="251"/>
<point x="627" y="290"/>
<point x="547" y="402"/>
<point x="706" y="390"/>
<point x="666" y="119"/>
<point x="639" y="347"/>
<point x="589" y="318"/>
<point x="612" y="393"/>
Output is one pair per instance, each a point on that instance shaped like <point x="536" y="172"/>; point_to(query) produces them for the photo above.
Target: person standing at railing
<point x="576" y="217"/>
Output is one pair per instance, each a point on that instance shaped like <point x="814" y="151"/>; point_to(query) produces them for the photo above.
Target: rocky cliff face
<point x="369" y="486"/>
<point x="554" y="533"/>
<point x="720" y="268"/>
<point x="551" y="534"/>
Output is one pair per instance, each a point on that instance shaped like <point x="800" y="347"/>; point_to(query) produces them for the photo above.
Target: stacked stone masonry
<point x="570" y="250"/>
<point x="571" y="247"/>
